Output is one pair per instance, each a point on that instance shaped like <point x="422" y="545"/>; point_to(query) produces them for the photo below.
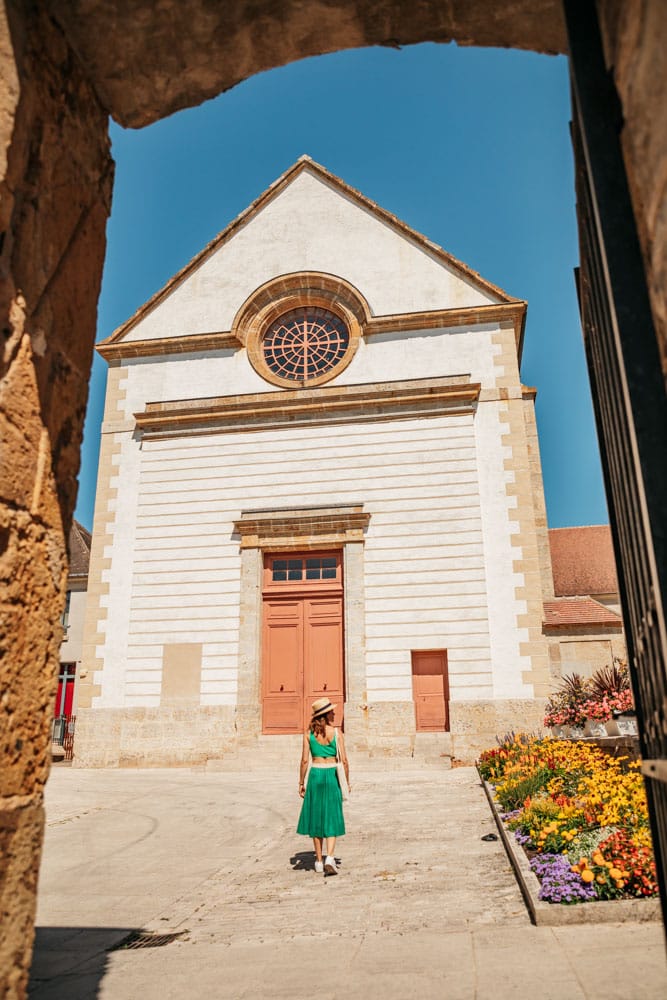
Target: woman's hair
<point x="318" y="726"/>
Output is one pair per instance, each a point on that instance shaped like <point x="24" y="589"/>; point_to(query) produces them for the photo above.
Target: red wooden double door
<point x="302" y="638"/>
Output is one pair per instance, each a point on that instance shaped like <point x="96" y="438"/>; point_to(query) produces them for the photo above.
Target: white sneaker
<point x="330" y="865"/>
<point x="319" y="867"/>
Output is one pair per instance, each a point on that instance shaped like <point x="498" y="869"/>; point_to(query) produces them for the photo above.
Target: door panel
<point x="430" y="690"/>
<point x="323" y="623"/>
<point x="282" y="673"/>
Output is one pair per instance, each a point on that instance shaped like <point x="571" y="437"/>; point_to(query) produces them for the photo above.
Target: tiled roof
<point x="582" y="560"/>
<point x="79" y="549"/>
<point x="568" y="611"/>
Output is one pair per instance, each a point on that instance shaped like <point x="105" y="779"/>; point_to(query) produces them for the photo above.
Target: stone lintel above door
<point x="302" y="527"/>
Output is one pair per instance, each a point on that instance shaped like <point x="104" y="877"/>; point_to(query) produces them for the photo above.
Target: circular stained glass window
<point x="305" y="343"/>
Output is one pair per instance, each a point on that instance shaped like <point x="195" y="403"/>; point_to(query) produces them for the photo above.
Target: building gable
<point x="309" y="220"/>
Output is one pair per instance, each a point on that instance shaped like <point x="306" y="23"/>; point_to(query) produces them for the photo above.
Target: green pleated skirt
<point x="322" y="809"/>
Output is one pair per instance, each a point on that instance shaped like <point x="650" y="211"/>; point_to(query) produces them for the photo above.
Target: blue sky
<point x="469" y="146"/>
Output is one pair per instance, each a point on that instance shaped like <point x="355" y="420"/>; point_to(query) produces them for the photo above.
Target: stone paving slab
<point x="422" y="906"/>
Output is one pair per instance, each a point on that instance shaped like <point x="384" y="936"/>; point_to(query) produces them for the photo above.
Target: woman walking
<point x="322" y="810"/>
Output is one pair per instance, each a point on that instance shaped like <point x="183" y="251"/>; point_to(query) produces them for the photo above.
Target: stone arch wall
<point x="66" y="66"/>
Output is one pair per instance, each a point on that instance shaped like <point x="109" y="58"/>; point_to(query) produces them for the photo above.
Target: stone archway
<point x="66" y="67"/>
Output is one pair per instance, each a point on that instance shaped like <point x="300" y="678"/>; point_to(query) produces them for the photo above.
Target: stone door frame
<point x="300" y="529"/>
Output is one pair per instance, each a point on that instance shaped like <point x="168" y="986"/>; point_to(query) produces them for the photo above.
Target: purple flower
<point x="558" y="883"/>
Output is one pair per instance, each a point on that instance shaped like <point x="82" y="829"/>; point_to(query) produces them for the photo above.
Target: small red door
<point x="302" y="638"/>
<point x="430" y="687"/>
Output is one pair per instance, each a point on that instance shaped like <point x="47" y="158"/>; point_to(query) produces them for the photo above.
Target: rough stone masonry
<point x="67" y="65"/>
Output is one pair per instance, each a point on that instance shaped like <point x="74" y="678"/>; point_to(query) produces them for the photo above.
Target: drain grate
<point x="147" y="939"/>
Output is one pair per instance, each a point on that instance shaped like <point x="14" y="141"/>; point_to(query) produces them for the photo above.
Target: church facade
<point x="319" y="475"/>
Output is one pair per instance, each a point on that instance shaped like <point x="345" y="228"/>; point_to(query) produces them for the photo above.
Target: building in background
<point x="71" y="649"/>
<point x="582" y="622"/>
<point x="319" y="476"/>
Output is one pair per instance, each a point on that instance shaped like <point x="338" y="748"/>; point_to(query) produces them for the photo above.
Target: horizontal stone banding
<point x="305" y="404"/>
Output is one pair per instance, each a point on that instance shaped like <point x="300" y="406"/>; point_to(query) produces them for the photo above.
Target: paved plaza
<point x="422" y="907"/>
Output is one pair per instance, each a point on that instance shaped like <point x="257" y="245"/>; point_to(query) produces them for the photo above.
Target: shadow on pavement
<point x="71" y="961"/>
<point x="304" y="861"/>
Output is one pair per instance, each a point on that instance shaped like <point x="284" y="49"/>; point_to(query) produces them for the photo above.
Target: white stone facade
<point x="451" y="556"/>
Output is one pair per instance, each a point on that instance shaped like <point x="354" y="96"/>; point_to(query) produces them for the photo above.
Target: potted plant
<point x="610" y="687"/>
<point x="565" y="706"/>
<point x="557" y="715"/>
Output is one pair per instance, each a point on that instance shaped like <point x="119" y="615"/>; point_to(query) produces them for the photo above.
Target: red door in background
<point x="65" y="695"/>
<point x="302" y="638"/>
<point x="430" y="688"/>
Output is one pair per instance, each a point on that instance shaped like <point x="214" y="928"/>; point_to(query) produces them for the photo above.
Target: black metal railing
<point x="628" y="395"/>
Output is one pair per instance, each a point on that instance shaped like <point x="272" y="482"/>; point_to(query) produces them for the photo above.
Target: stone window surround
<point x="298" y="529"/>
<point x="307" y="289"/>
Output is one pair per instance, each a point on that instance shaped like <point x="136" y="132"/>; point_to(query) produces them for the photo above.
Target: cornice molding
<point x="434" y="319"/>
<point x="193" y="343"/>
<point x="377" y="400"/>
<point x="431" y="319"/>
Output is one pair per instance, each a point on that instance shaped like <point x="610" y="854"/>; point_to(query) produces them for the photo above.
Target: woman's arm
<point x="342" y="753"/>
<point x="305" y="753"/>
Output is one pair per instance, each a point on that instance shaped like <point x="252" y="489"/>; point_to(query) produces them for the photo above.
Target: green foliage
<point x="514" y="792"/>
<point x="610" y="680"/>
<point x="568" y="781"/>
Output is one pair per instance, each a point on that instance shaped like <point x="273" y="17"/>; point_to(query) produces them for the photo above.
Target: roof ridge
<point x="577" y="527"/>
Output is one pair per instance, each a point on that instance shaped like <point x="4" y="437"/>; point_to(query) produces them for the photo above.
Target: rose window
<point x="305" y="343"/>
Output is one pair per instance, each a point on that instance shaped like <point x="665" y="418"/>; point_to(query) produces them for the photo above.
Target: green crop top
<point x="319" y="750"/>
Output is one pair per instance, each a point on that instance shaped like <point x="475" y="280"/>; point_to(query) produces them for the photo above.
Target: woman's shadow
<point x="304" y="861"/>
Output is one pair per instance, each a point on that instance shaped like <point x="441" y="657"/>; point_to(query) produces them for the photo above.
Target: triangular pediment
<point x="309" y="219"/>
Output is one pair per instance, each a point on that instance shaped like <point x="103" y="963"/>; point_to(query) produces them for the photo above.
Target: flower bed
<point x="580" y="816"/>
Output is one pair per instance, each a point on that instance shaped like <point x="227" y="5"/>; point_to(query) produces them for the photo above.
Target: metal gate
<point x="62" y="734"/>
<point x="628" y="394"/>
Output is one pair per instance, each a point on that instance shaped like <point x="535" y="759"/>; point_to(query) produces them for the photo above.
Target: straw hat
<point x="322" y="707"/>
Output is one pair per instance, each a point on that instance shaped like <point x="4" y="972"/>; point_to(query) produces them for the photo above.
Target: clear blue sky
<point x="469" y="146"/>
